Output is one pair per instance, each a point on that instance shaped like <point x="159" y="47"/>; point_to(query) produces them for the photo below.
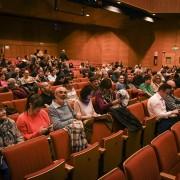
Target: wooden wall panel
<point x="22" y="48"/>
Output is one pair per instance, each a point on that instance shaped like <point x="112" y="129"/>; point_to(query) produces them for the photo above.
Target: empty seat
<point x="176" y="130"/>
<point x="86" y="163"/>
<point x="20" y="104"/>
<point x="113" y="155"/>
<point x="28" y="157"/>
<point x="149" y="122"/>
<point x="61" y="144"/>
<point x="115" y="174"/>
<point x="55" y="171"/>
<point x="167" y="153"/>
<point x="7" y="96"/>
<point x="102" y="127"/>
<point x="142" y="165"/>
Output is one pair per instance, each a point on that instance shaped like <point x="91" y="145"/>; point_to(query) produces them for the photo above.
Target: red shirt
<point x="29" y="126"/>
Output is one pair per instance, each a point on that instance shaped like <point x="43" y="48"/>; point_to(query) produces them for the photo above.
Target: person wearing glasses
<point x="63" y="117"/>
<point x="171" y="101"/>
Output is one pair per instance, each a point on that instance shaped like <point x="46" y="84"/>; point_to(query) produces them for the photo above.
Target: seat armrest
<point x="102" y="150"/>
<point x="68" y="167"/>
<point x="167" y="176"/>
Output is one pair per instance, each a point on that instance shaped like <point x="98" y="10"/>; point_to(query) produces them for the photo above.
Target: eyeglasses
<point x="62" y="92"/>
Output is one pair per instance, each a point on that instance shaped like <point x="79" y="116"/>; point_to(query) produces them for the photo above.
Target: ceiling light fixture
<point x="118" y="2"/>
<point x="87" y="15"/>
<point x="153" y="14"/>
<point x="112" y="9"/>
<point x="149" y="19"/>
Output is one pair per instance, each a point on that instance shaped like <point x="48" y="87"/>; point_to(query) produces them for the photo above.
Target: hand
<point x="43" y="131"/>
<point x="50" y="128"/>
<point x="117" y="101"/>
<point x="176" y="111"/>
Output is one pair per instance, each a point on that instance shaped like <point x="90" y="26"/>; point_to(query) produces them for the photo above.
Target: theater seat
<point x="55" y="171"/>
<point x="176" y="130"/>
<point x="142" y="165"/>
<point x="167" y="153"/>
<point x="61" y="144"/>
<point x="149" y="122"/>
<point x="82" y="84"/>
<point x="20" y="104"/>
<point x="102" y="127"/>
<point x="28" y="157"/>
<point x="86" y="163"/>
<point x="115" y="174"/>
<point x="113" y="155"/>
<point x="6" y="96"/>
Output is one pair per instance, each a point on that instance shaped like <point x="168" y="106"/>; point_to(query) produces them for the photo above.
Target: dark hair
<point x="91" y="79"/>
<point x="85" y="92"/>
<point x="35" y="100"/>
<point x="147" y="77"/>
<point x="106" y="83"/>
<point x="164" y="87"/>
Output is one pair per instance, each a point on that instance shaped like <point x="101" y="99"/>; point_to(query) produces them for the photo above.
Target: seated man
<point x="9" y="135"/>
<point x="146" y="86"/>
<point x="62" y="116"/>
<point x="156" y="107"/>
<point x="18" y="92"/>
<point x="171" y="101"/>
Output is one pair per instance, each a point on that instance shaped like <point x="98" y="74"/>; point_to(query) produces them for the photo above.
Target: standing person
<point x="34" y="121"/>
<point x="63" y="56"/>
<point x="63" y="116"/>
<point x="9" y="135"/>
<point x="156" y="107"/>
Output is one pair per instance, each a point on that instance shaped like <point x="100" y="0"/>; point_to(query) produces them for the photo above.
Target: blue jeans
<point x="165" y="124"/>
<point x="4" y="169"/>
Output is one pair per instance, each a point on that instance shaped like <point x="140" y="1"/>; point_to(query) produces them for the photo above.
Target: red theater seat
<point x="177" y="92"/>
<point x="28" y="157"/>
<point x="20" y="105"/>
<point x="113" y="155"/>
<point x="6" y="96"/>
<point x="148" y="122"/>
<point x="142" y="165"/>
<point x="115" y="174"/>
<point x="176" y="130"/>
<point x="167" y="153"/>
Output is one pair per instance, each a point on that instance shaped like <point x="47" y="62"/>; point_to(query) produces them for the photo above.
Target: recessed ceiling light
<point x="149" y="19"/>
<point x="118" y="2"/>
<point x="153" y="14"/>
<point x="87" y="15"/>
<point x="113" y="9"/>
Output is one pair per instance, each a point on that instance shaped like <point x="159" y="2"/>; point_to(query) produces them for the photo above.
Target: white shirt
<point x="51" y="78"/>
<point x="156" y="107"/>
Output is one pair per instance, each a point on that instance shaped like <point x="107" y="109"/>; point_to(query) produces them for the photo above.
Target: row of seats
<point x="159" y="160"/>
<point x="34" y="158"/>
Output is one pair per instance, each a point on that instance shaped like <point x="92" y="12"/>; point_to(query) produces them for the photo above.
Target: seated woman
<point x="9" y="135"/>
<point x="83" y="107"/>
<point x="107" y="101"/>
<point x="156" y="82"/>
<point x="121" y="83"/>
<point x="34" y="121"/>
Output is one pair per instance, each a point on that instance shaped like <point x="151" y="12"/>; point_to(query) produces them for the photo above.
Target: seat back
<point x="142" y="165"/>
<point x="86" y="163"/>
<point x="114" y="151"/>
<point x="115" y="174"/>
<point x="6" y="96"/>
<point x="27" y="157"/>
<point x="82" y="84"/>
<point x="144" y="103"/>
<point x="101" y="129"/>
<point x="61" y="144"/>
<point x="55" y="171"/>
<point x="20" y="104"/>
<point x="166" y="150"/>
<point x="137" y="110"/>
<point x="176" y="130"/>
